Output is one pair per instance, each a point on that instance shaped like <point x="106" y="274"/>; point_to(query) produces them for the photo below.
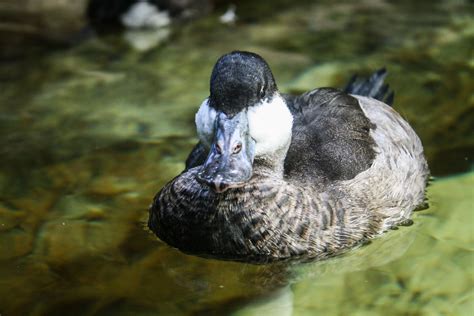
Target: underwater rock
<point x="110" y="185"/>
<point x="9" y="218"/>
<point x="15" y="242"/>
<point x="15" y="239"/>
<point x="50" y="20"/>
<point x="65" y="240"/>
<point x="101" y="204"/>
<point x="17" y="231"/>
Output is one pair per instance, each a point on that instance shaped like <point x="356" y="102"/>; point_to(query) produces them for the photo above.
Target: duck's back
<point x="331" y="137"/>
<point x="360" y="146"/>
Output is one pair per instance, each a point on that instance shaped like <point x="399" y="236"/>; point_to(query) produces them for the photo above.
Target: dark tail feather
<point x="373" y="87"/>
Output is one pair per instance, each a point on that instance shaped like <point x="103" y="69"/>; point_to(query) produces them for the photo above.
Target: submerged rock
<point x="27" y="22"/>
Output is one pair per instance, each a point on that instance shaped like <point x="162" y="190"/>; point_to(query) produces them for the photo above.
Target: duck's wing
<point x="330" y="138"/>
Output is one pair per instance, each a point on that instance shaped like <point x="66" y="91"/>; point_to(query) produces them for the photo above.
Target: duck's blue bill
<point x="230" y="159"/>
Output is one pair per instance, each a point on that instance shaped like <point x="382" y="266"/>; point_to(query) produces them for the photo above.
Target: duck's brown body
<point x="264" y="220"/>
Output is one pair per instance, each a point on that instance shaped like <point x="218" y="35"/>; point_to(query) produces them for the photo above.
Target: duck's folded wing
<point x="331" y="139"/>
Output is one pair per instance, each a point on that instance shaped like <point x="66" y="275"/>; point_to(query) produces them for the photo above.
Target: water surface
<point x="90" y="133"/>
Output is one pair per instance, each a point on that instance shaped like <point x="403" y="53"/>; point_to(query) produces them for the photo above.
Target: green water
<point x="89" y="133"/>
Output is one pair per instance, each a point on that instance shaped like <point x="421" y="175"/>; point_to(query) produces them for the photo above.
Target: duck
<point x="277" y="176"/>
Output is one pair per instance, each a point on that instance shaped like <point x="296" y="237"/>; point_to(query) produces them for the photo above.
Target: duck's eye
<point x="262" y="92"/>
<point x="237" y="148"/>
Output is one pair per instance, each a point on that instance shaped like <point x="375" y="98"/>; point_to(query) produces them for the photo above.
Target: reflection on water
<point x="89" y="134"/>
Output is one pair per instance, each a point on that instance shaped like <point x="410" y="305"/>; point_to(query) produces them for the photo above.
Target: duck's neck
<point x="271" y="165"/>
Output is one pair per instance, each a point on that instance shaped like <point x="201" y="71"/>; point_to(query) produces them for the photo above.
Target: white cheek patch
<point x="205" y="118"/>
<point x="270" y="125"/>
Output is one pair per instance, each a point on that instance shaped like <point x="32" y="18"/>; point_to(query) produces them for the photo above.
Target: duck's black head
<point x="240" y="80"/>
<point x="244" y="118"/>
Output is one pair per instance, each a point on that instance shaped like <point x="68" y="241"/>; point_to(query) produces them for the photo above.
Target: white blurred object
<point x="145" y="15"/>
<point x="229" y="17"/>
<point x="143" y="40"/>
